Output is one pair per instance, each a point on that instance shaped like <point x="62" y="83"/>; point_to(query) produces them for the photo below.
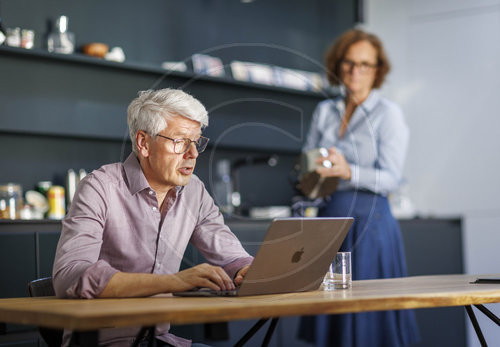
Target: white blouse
<point x="374" y="144"/>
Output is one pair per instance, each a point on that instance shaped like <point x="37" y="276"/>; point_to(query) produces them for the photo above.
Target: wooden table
<point x="370" y="295"/>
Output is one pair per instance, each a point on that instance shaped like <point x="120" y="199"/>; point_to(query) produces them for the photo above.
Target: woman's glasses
<point x="363" y="67"/>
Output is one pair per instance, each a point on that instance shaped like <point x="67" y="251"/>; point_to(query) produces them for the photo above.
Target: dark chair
<point x="44" y="287"/>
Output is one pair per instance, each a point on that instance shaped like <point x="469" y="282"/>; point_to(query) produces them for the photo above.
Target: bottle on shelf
<point x="60" y="40"/>
<point x="71" y="183"/>
<point x="223" y="188"/>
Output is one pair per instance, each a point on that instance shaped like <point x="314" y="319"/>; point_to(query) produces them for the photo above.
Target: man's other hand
<point x="241" y="274"/>
<point x="203" y="275"/>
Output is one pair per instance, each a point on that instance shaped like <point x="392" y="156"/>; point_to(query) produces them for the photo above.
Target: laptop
<point x="294" y="257"/>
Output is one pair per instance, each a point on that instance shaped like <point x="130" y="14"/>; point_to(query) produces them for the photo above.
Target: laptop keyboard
<point x="218" y="292"/>
<point x="207" y="292"/>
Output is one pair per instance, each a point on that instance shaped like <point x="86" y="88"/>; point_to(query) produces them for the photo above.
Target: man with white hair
<point x="130" y="223"/>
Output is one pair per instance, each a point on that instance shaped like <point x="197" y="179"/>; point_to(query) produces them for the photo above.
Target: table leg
<point x="270" y="332"/>
<point x="255" y="328"/>
<point x="489" y="314"/>
<point x="475" y="324"/>
<point x="251" y="332"/>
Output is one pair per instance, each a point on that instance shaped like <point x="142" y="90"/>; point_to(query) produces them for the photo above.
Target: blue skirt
<point x="376" y="247"/>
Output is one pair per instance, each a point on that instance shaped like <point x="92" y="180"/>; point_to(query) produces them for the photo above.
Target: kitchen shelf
<point x="152" y="69"/>
<point x="82" y="91"/>
<point x="16" y="226"/>
<point x="257" y="148"/>
<point x="30" y="221"/>
<point x="61" y="111"/>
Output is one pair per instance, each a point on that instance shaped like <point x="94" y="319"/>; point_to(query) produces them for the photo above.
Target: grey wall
<point x="157" y="30"/>
<point x="446" y="61"/>
<point x="57" y="114"/>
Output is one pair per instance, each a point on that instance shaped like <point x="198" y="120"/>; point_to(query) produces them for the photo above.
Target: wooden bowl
<point x="95" y="49"/>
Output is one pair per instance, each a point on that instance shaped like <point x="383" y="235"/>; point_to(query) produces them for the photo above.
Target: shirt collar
<point x="368" y="105"/>
<point x="135" y="177"/>
<point x="371" y="101"/>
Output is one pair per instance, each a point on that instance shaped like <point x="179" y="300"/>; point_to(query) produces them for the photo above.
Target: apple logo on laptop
<point x="297" y="255"/>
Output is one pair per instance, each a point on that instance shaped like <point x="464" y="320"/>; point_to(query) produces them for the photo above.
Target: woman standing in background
<point x="367" y="137"/>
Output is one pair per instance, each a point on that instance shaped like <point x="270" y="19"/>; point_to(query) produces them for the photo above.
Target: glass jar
<point x="11" y="200"/>
<point x="61" y="40"/>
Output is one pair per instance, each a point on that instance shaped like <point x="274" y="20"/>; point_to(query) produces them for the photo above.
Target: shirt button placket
<point x="152" y="193"/>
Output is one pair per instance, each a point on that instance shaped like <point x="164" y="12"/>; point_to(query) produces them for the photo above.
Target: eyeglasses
<point x="363" y="67"/>
<point x="181" y="146"/>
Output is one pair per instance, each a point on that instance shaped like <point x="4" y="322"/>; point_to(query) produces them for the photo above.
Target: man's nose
<point x="192" y="152"/>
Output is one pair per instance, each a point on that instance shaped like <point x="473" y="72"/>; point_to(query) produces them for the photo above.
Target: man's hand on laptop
<point x="240" y="275"/>
<point x="204" y="275"/>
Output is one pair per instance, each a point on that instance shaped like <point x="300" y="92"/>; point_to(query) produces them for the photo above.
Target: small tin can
<point x="57" y="206"/>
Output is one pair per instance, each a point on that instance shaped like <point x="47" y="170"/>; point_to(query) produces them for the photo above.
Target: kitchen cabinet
<point x="433" y="246"/>
<point x="27" y="251"/>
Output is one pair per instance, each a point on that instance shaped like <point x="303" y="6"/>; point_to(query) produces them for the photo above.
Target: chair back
<point x="44" y="287"/>
<point x="41" y="287"/>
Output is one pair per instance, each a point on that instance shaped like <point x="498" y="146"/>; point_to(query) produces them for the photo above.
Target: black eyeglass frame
<point x="363" y="66"/>
<point x="200" y="147"/>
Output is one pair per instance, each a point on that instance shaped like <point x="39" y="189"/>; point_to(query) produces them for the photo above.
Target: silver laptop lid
<point x="295" y="255"/>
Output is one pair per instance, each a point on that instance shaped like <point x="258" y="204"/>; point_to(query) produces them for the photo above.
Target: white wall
<point x="446" y="77"/>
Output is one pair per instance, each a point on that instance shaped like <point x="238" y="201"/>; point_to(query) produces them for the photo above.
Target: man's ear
<point x="141" y="139"/>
